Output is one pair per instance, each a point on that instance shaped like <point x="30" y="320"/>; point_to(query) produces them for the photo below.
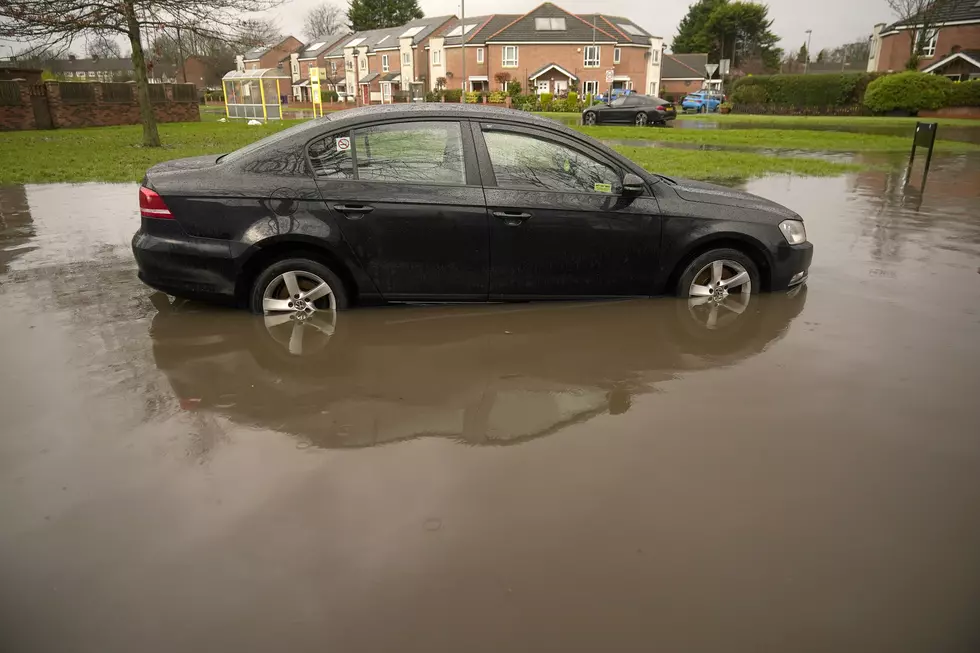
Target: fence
<point x="117" y="92"/>
<point x="9" y="94"/>
<point x="158" y="93"/>
<point x="77" y="92"/>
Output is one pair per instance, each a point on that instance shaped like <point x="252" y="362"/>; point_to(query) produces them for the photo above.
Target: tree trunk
<point x="151" y="137"/>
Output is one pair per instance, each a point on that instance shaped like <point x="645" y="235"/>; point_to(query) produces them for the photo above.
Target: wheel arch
<point x="279" y="248"/>
<point x="744" y="243"/>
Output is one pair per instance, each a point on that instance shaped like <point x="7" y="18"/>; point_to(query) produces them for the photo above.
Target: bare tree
<point x="322" y="21"/>
<point x="921" y="17"/>
<point x="54" y="22"/>
<point x="256" y="33"/>
<point x="102" y="46"/>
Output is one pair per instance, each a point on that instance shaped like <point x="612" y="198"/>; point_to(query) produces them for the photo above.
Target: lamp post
<point x="806" y="63"/>
<point x="357" y="78"/>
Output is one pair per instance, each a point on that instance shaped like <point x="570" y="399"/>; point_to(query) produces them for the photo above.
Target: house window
<point x="364" y="63"/>
<point x="295" y="67"/>
<point x="928" y="42"/>
<point x="384" y="63"/>
<point x="509" y="56"/>
<point x="617" y="54"/>
<point x="479" y="55"/>
<point x="591" y="56"/>
<point x="406" y="58"/>
<point x="91" y="73"/>
<point x="656" y="56"/>
<point x="549" y="24"/>
<point x="333" y="67"/>
<point x="437" y="57"/>
<point x="350" y="64"/>
<point x="591" y="87"/>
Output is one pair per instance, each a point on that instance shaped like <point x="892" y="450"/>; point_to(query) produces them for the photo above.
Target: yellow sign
<point x="315" y="90"/>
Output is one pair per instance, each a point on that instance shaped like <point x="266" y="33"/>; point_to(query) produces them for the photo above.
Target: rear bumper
<point x="185" y="266"/>
<point x="792" y="266"/>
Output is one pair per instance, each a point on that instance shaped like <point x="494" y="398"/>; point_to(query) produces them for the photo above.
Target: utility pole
<point x="806" y="63"/>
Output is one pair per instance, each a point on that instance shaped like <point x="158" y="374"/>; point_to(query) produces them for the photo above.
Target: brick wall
<point x="97" y="113"/>
<point x="895" y="47"/>
<point x="18" y="116"/>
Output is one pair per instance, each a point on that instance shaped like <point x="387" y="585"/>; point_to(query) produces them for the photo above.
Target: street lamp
<point x="806" y="63"/>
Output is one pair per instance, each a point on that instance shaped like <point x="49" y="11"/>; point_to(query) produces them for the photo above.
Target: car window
<point x="523" y="161"/>
<point x="633" y="101"/>
<point x="421" y="152"/>
<point x="331" y="157"/>
<point x="618" y="102"/>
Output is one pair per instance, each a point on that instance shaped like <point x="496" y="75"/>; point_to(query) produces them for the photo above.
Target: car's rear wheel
<point x="641" y="119"/>
<point x="590" y="118"/>
<point x="718" y="286"/>
<point x="297" y="285"/>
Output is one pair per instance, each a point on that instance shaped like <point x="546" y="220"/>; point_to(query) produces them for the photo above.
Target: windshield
<point x="618" y="102"/>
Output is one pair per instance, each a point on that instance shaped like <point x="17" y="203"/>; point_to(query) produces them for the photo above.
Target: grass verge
<point x="113" y="154"/>
<point x="729" y="166"/>
<point x="776" y="122"/>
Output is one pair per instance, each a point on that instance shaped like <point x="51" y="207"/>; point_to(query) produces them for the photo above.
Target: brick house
<point x="683" y="74"/>
<point x="947" y="48"/>
<point x="272" y="56"/>
<point x="107" y="69"/>
<point x="383" y="65"/>
<point x="548" y="50"/>
<point x="315" y="56"/>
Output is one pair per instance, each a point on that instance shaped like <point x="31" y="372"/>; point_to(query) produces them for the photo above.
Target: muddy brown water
<point x="572" y="477"/>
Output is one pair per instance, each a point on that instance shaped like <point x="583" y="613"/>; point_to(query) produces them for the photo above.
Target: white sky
<point x="833" y="21"/>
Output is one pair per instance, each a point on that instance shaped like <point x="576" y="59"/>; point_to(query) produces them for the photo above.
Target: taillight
<point x="153" y="206"/>
<point x="662" y="107"/>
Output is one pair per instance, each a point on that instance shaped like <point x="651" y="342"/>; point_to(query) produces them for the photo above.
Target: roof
<point x="683" y="66"/>
<point x="314" y="50"/>
<point x="259" y="52"/>
<point x="576" y="30"/>
<point x="949" y="12"/>
<point x="970" y="56"/>
<point x="544" y="69"/>
<point x="390" y="77"/>
<point x="388" y="37"/>
<point x="623" y="28"/>
<point x="370" y="77"/>
<point x="475" y="23"/>
<point x="261" y="73"/>
<point x="105" y="63"/>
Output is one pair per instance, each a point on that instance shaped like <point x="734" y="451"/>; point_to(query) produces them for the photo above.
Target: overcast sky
<point x="833" y="21"/>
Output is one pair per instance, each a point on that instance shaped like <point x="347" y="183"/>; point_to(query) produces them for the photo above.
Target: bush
<point x="965" y="94"/>
<point x="472" y="97"/>
<point x="545" y="98"/>
<point x="573" y="98"/>
<point x="498" y="97"/>
<point x="909" y="91"/>
<point x="453" y="94"/>
<point x="812" y="91"/>
<point x="330" y="96"/>
<point x="514" y="88"/>
<point x="433" y="96"/>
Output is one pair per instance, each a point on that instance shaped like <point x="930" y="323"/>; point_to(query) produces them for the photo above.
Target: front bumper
<point x="185" y="266"/>
<point x="792" y="265"/>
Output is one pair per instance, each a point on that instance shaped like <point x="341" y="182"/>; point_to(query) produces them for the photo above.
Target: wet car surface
<point x="571" y="476"/>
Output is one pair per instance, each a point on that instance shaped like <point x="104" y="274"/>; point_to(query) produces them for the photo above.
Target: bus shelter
<point x="255" y="93"/>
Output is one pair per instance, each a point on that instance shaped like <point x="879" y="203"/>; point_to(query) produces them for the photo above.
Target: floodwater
<point x="616" y="476"/>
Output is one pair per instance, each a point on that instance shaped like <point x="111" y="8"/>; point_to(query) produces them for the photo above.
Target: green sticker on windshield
<point x="602" y="188"/>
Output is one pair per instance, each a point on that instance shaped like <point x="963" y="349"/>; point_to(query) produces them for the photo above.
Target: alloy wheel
<point x="590" y="118"/>
<point x="300" y="311"/>
<point x="719" y="293"/>
<point x="641" y="119"/>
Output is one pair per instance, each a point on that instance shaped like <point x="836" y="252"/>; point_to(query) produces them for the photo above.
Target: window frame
<point x="437" y="57"/>
<point x="509" y="63"/>
<point x="406" y="58"/>
<point x="585" y="87"/>
<point x="617" y="55"/>
<point x="597" y="61"/>
<point x="384" y="63"/>
<point x="471" y="170"/>
<point x="479" y="55"/>
<point x="929" y="46"/>
<point x="583" y="149"/>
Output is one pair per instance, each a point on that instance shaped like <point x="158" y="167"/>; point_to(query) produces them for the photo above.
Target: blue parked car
<point x="697" y="101"/>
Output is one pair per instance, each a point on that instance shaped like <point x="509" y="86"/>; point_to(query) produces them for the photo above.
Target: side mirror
<point x="632" y="184"/>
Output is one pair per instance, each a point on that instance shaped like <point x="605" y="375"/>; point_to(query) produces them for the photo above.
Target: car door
<point x="618" y="111"/>
<point x="560" y="225"/>
<point x="408" y="199"/>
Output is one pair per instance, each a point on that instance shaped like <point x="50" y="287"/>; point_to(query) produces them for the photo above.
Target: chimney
<point x="71" y="57"/>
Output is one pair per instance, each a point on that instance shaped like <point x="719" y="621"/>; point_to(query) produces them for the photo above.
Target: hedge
<point x="810" y="91"/>
<point x="965" y="94"/>
<point x="909" y="91"/>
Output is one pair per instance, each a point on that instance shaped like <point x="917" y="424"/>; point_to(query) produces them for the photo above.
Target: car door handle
<point x="353" y="211"/>
<point x="512" y="219"/>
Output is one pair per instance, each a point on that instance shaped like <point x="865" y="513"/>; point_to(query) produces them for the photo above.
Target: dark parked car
<point x="450" y="203"/>
<point x="640" y="110"/>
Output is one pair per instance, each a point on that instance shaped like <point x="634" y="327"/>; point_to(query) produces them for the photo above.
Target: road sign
<point x="710" y="68"/>
<point x="725" y="67"/>
<point x="315" y="90"/>
<point x="609" y="76"/>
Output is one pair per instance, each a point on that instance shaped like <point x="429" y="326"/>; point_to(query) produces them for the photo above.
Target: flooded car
<point x="633" y="109"/>
<point x="450" y="203"/>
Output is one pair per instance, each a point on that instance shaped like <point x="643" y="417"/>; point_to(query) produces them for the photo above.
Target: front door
<point x="561" y="87"/>
<point x="543" y="86"/>
<point x="407" y="198"/>
<point x="385" y="92"/>
<point x="560" y="225"/>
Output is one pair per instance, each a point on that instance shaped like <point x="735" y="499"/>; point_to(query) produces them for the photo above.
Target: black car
<point x="449" y="203"/>
<point x="640" y="110"/>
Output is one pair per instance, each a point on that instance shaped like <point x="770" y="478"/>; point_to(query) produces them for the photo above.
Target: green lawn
<point x="114" y="153"/>
<point x="788" y="139"/>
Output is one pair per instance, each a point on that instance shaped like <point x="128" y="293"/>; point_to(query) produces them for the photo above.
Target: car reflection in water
<point x="488" y="375"/>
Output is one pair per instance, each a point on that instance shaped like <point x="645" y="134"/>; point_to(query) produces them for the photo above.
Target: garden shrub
<point x="453" y="94"/>
<point x="909" y="91"/>
<point x="330" y="96"/>
<point x="498" y="97"/>
<point x="750" y="94"/>
<point x="472" y="97"/>
<point x="573" y="99"/>
<point x="965" y="94"/>
<point x="803" y="91"/>
<point x="513" y="88"/>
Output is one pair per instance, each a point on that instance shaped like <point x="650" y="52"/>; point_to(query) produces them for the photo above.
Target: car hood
<point x="705" y="193"/>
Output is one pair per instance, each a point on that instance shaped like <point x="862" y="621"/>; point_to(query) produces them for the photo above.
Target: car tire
<point x="311" y="270"/>
<point x="641" y="120"/>
<point x="590" y="118"/>
<point x="683" y="288"/>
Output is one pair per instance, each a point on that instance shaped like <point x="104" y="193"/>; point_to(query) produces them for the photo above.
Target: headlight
<point x="794" y="231"/>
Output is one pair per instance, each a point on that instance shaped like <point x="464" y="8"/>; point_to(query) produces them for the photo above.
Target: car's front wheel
<point x="297" y="287"/>
<point x="718" y="285"/>
<point x="641" y="119"/>
<point x="590" y="118"/>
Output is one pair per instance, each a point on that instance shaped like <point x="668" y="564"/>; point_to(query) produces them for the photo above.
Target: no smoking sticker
<point x="343" y="144"/>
